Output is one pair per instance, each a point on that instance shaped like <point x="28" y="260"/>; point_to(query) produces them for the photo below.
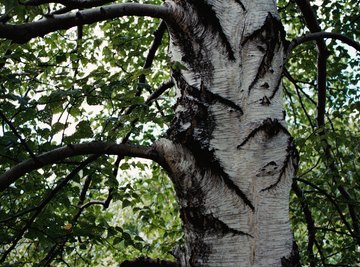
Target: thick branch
<point x="22" y="33"/>
<point x="62" y="153"/>
<point x="69" y="3"/>
<point x="147" y="262"/>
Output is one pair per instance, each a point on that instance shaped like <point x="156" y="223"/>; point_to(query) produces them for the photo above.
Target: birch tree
<point x="227" y="149"/>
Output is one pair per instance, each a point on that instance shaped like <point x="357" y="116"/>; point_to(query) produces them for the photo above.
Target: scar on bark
<point x="271" y="34"/>
<point x="290" y="152"/>
<point x="208" y="222"/>
<point x="276" y="89"/>
<point x="212" y="97"/>
<point x="269" y="126"/>
<point x="232" y="186"/>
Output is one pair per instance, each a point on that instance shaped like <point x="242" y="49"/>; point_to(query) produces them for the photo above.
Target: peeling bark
<point x="228" y="151"/>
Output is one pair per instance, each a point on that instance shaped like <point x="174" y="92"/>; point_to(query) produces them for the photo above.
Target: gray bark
<point x="228" y="151"/>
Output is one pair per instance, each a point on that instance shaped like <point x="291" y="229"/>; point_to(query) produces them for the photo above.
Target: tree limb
<point x="322" y="35"/>
<point x="158" y="34"/>
<point x="22" y="33"/>
<point x="314" y="27"/>
<point x="148" y="262"/>
<point x="58" y="154"/>
<point x="309" y="223"/>
<point x="69" y="3"/>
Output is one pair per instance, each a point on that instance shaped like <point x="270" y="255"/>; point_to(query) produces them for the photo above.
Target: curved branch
<point x="322" y="35"/>
<point x="22" y="33"/>
<point x="148" y="262"/>
<point x="69" y="3"/>
<point x="98" y="148"/>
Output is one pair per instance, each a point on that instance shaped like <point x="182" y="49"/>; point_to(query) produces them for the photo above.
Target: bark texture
<point x="228" y="151"/>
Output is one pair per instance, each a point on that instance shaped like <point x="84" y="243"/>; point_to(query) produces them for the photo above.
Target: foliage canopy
<point x="95" y="83"/>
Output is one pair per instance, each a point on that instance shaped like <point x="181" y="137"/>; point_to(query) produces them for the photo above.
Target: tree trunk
<point x="228" y="152"/>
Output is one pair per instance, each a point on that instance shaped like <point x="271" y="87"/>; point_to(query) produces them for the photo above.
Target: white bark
<point x="231" y="158"/>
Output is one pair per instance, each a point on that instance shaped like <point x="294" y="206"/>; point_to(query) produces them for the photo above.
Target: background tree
<point x="97" y="84"/>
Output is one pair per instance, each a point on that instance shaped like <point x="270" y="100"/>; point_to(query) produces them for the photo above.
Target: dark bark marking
<point x="265" y="85"/>
<point x="226" y="102"/>
<point x="199" y="252"/>
<point x="196" y="113"/>
<point x="196" y="137"/>
<point x="260" y="72"/>
<point x="148" y="262"/>
<point x="231" y="185"/>
<point x="241" y="4"/>
<point x="291" y="153"/>
<point x="271" y="25"/>
<point x="201" y="120"/>
<point x="270" y="126"/>
<point x="276" y="88"/>
<point x="211" y="98"/>
<point x="208" y="223"/>
<point x="191" y="55"/>
<point x="271" y="34"/>
<point x="265" y="101"/>
<point x="208" y="18"/>
<point x="268" y="169"/>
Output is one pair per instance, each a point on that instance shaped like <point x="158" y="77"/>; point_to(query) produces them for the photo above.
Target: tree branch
<point x="314" y="27"/>
<point x="309" y="223"/>
<point x="331" y="199"/>
<point x="69" y="3"/>
<point x="159" y="91"/>
<point x="58" y="154"/>
<point x="148" y="262"/>
<point x="322" y="35"/>
<point x="158" y="34"/>
<point x="22" y="33"/>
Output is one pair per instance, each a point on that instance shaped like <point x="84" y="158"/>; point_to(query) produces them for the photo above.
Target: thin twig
<point x="14" y="130"/>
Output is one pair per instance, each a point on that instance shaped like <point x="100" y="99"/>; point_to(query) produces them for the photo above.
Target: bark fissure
<point x="291" y="154"/>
